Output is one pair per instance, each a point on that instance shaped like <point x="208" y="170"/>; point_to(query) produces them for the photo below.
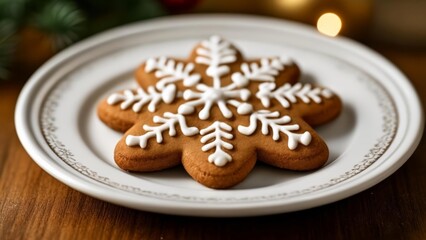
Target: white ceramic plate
<point x="379" y="128"/>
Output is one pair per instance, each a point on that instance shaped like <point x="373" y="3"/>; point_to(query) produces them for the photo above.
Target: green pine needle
<point x="61" y="20"/>
<point x="7" y="46"/>
<point x="13" y="9"/>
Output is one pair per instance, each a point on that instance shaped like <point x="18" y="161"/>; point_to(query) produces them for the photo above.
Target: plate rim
<point x="38" y="155"/>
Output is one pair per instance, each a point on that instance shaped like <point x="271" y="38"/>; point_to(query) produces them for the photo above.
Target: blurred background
<point x="31" y="31"/>
<point x="33" y="203"/>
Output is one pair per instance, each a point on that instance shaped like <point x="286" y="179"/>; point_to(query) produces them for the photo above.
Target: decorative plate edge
<point x="389" y="129"/>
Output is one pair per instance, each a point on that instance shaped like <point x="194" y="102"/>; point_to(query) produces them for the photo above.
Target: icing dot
<point x="168" y="94"/>
<point x="306" y="138"/>
<point x="245" y="108"/>
<point x="186" y="109"/>
<point x="214" y="94"/>
<point x="327" y="93"/>
<point x="156" y="119"/>
<point x="220" y="161"/>
<point x="292" y="144"/>
<point x="286" y="60"/>
<point x="132" y="140"/>
<point x="204" y="114"/>
<point x="150" y="65"/>
<point x="239" y="80"/>
<point x="113" y="99"/>
<point x="215" y="39"/>
<point x="191" y="80"/>
<point x="286" y="118"/>
<point x="244" y="94"/>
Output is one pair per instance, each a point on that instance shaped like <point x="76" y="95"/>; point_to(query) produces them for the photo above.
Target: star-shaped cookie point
<point x="217" y="113"/>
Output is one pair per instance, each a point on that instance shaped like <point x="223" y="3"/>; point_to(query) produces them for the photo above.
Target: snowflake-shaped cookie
<point x="217" y="113"/>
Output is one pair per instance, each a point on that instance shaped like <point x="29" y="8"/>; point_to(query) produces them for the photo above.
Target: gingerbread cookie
<point x="217" y="113"/>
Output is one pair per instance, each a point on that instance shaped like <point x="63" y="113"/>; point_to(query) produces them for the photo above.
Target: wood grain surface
<point x="33" y="205"/>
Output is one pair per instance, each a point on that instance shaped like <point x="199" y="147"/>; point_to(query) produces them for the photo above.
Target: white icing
<point x="214" y="53"/>
<point x="286" y="60"/>
<point x="217" y="54"/>
<point x="209" y="96"/>
<point x="277" y="124"/>
<point x="218" y="131"/>
<point x="169" y="93"/>
<point x="266" y="71"/>
<point x="242" y="107"/>
<point x="169" y="120"/>
<point x="288" y="94"/>
<point x="327" y="93"/>
<point x="169" y="71"/>
<point x="140" y="98"/>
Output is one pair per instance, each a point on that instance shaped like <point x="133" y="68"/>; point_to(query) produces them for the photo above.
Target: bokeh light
<point x="329" y="24"/>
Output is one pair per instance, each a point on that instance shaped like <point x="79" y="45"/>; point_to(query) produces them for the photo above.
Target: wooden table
<point x="33" y="205"/>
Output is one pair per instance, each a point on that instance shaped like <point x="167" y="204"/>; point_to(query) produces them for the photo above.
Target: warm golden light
<point x="292" y="4"/>
<point x="329" y="24"/>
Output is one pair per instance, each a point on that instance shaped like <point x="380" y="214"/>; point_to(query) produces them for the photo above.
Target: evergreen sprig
<point x="61" y="20"/>
<point x="7" y="46"/>
<point x="14" y="10"/>
<point x="65" y="21"/>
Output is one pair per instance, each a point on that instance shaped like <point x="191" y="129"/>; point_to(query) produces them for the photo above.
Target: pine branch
<point x="14" y="10"/>
<point x="61" y="20"/>
<point x="7" y="46"/>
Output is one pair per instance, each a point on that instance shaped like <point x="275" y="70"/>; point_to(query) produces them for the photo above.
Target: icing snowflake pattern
<point x="217" y="131"/>
<point x="288" y="94"/>
<point x="168" y="71"/>
<point x="228" y="91"/>
<point x="140" y="98"/>
<point x="270" y="120"/>
<point x="168" y="123"/>
<point x="208" y="96"/>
